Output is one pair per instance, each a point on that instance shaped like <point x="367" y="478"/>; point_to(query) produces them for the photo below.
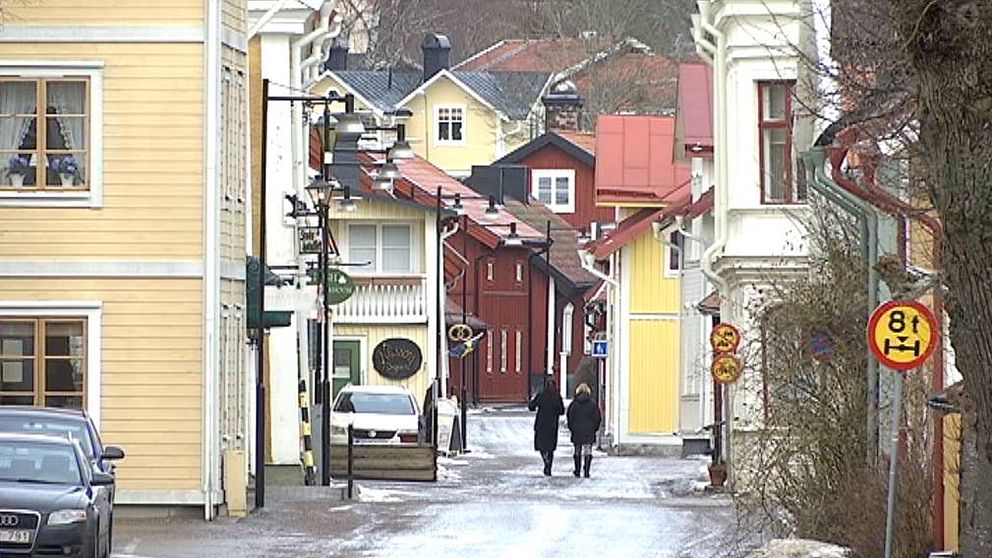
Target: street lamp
<point x="492" y="212"/>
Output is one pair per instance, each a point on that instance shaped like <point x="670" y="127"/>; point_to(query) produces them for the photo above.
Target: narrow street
<point x="492" y="502"/>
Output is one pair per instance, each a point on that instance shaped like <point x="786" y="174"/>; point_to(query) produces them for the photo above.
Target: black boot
<point x="586" y="463"/>
<point x="546" y="456"/>
<point x="578" y="463"/>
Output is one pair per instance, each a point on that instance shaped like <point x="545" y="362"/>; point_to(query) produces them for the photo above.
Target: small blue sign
<point x="600" y="348"/>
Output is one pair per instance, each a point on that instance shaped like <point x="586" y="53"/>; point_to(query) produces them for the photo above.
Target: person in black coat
<point x="583" y="422"/>
<point x="549" y="407"/>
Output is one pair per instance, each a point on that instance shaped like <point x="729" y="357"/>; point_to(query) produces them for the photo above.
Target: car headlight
<point x="66" y="517"/>
<point x="339" y="430"/>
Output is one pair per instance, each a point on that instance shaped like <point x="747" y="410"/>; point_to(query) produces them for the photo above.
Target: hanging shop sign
<point x="339" y="287"/>
<point x="397" y="358"/>
<point x="309" y="240"/>
<point x="725" y="338"/>
<point x="902" y="334"/>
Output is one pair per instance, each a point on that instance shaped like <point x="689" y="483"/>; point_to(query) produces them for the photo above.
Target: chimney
<point x="337" y="58"/>
<point x="436" y="49"/>
<point x="562" y="107"/>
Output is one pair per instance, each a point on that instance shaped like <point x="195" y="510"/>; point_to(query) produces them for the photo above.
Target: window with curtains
<point x="489" y="351"/>
<point x="775" y="121"/>
<point x="44" y="140"/>
<point x="519" y="351"/>
<point x="502" y="350"/>
<point x="43" y="362"/>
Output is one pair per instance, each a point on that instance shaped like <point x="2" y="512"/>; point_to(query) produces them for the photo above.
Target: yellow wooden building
<point x="123" y="232"/>
<point x="456" y="119"/>
<point x="640" y="262"/>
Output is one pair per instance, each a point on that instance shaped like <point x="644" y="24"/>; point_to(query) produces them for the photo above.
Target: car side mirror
<point x="113" y="453"/>
<point x="101" y="479"/>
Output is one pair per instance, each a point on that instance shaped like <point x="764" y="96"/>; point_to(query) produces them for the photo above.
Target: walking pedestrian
<point x="549" y="407"/>
<point x="583" y="421"/>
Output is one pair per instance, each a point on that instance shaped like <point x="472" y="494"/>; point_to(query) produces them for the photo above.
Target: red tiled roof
<point x="533" y="55"/>
<point x="634" y="162"/>
<point x="695" y="110"/>
<point x="583" y="140"/>
<point x="420" y="183"/>
<point x="633" y="226"/>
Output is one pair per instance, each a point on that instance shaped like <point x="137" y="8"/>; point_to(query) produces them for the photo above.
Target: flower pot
<point x="16" y="179"/>
<point x="718" y="474"/>
<point x="68" y="179"/>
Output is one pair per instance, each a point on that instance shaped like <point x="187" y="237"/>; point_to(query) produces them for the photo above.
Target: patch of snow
<point x="799" y="548"/>
<point x="378" y="495"/>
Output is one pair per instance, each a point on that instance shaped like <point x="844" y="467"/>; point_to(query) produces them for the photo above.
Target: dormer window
<point x="450" y="124"/>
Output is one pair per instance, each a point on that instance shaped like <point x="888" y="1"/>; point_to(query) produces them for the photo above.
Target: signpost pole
<point x="890" y="515"/>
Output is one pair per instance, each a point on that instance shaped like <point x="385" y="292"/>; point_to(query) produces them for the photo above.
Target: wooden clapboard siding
<point x="651" y="291"/>
<point x="234" y="15"/>
<point x="104" y="12"/>
<point x="372" y="335"/>
<point x="151" y="364"/>
<point x="152" y="158"/>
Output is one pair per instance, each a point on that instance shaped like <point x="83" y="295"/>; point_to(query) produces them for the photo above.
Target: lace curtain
<point x="16" y="97"/>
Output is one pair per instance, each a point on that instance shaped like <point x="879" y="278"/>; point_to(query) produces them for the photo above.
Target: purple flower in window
<point x="64" y="165"/>
<point x="18" y="164"/>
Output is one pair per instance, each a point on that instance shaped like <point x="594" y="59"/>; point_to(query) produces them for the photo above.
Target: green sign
<point x="339" y="287"/>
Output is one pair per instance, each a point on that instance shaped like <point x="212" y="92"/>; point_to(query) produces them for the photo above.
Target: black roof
<point x="512" y="93"/>
<point x="545" y="139"/>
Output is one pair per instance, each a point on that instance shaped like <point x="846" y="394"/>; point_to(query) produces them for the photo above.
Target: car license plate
<point x="15" y="536"/>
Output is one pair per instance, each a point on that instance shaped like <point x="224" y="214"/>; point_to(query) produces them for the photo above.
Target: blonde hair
<point x="583" y="389"/>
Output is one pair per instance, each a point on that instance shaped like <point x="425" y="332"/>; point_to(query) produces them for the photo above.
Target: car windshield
<point x="376" y="403"/>
<point x="52" y="427"/>
<point x="38" y="462"/>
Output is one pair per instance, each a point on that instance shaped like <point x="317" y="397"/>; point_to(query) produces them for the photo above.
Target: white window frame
<point x="673" y="253"/>
<point x="519" y="354"/>
<point x="377" y="264"/>
<point x="41" y="69"/>
<point x="489" y="351"/>
<point x="490" y="270"/>
<point x="92" y="312"/>
<point x="520" y="272"/>
<point x="437" y="125"/>
<point x="567" y="317"/>
<point x="553" y="174"/>
<point x="503" y="364"/>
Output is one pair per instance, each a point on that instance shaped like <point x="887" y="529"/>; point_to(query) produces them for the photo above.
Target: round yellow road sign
<point x="726" y="368"/>
<point x="902" y="334"/>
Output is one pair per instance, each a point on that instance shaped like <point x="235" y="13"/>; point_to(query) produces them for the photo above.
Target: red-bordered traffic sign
<point x="725" y="338"/>
<point x="726" y="368"/>
<point x="902" y="334"/>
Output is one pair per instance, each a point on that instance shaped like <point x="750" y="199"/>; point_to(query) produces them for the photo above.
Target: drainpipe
<point x="441" y="319"/>
<point x="716" y="56"/>
<point x="868" y="219"/>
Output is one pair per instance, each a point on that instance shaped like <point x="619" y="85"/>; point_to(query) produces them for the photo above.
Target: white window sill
<point x="49" y="199"/>
<point x="560" y="208"/>
<point x="450" y="143"/>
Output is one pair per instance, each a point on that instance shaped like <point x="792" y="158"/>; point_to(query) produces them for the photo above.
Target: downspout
<point x="311" y="66"/>
<point x="716" y="56"/>
<point x="867" y="216"/>
<point x="211" y="276"/>
<point x="441" y="318"/>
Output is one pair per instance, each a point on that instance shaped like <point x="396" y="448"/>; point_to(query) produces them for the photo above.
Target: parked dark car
<point x="49" y="504"/>
<point x="63" y="423"/>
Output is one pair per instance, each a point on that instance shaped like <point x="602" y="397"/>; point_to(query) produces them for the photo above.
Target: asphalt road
<point x="493" y="502"/>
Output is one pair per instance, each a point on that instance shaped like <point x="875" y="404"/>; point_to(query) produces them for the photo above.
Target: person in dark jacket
<point x="583" y="422"/>
<point x="549" y="407"/>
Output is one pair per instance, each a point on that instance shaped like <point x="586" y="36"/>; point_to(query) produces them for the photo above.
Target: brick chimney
<point x="562" y="107"/>
<point x="436" y="49"/>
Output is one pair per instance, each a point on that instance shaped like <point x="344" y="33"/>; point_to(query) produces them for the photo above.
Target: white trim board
<point x="93" y="312"/>
<point x="101" y="34"/>
<point x="101" y="268"/>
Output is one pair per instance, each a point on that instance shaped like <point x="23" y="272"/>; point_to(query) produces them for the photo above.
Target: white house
<point x="755" y="50"/>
